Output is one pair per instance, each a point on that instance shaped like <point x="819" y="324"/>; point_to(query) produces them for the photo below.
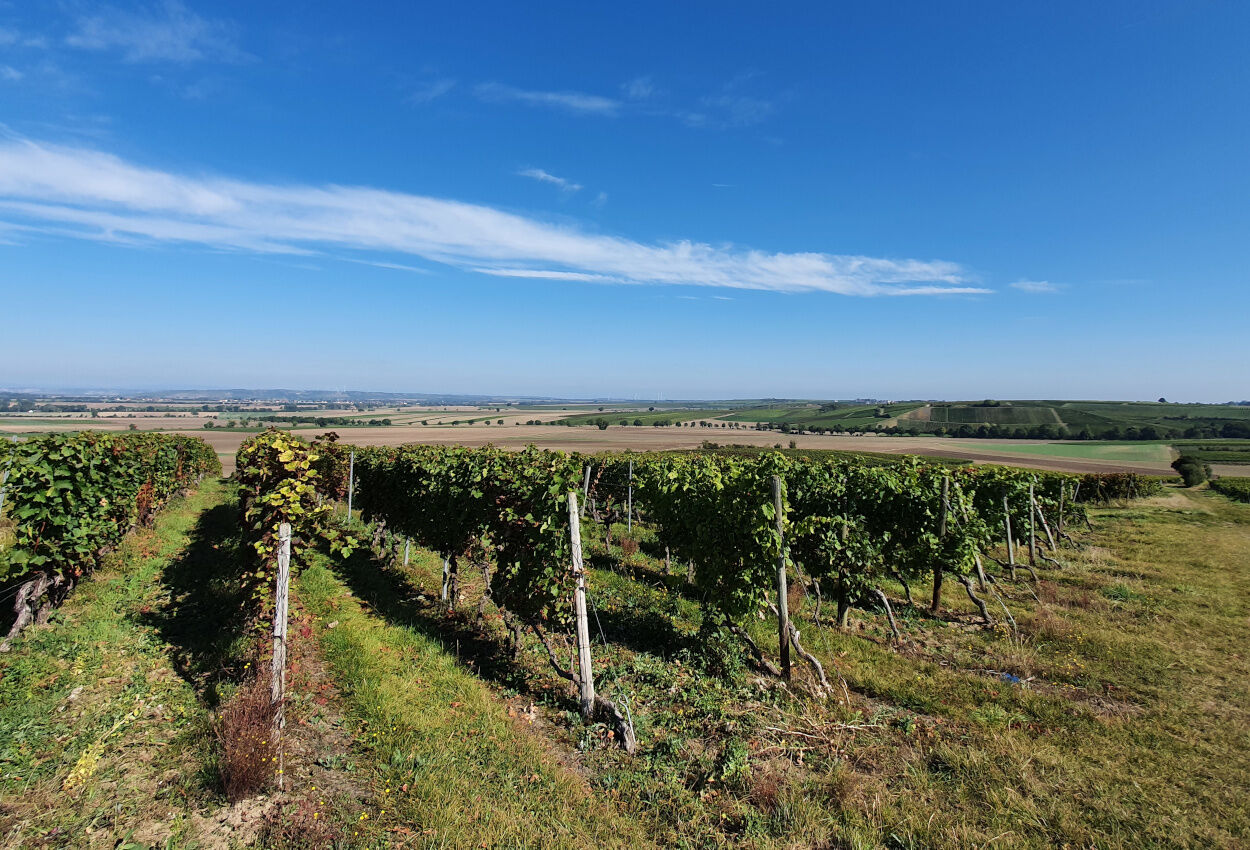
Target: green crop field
<point x="1126" y="452"/>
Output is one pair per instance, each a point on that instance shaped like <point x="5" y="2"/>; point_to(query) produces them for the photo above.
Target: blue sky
<point x="685" y="200"/>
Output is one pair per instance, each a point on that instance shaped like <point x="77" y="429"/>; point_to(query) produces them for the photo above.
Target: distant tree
<point x="652" y="409"/>
<point x="624" y="421"/>
<point x="1192" y="470"/>
<point x="638" y="422"/>
<point x="602" y="423"/>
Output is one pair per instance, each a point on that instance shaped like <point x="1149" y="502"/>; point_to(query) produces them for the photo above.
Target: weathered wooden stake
<point x="629" y="501"/>
<point x="937" y="565"/>
<point x="1032" y="527"/>
<point x="277" y="695"/>
<point x="351" y="482"/>
<point x="585" y="675"/>
<point x="783" y="596"/>
<point x="585" y="492"/>
<point x="407" y="546"/>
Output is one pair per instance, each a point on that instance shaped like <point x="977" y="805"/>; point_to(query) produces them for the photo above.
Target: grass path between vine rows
<point x="102" y="742"/>
<point x="450" y="763"/>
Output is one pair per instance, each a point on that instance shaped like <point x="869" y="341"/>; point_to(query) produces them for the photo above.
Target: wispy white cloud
<point x="13" y="38"/>
<point x="398" y="267"/>
<point x="548" y="274"/>
<point x="639" y="88"/>
<point x="600" y="201"/>
<point x="569" y="100"/>
<point x="10" y="74"/>
<point x="431" y="90"/>
<point x="169" y="32"/>
<point x="94" y="195"/>
<point x="547" y="177"/>
<point x="1037" y="287"/>
<point x="736" y="110"/>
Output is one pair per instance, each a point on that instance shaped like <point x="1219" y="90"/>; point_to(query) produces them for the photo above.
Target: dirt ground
<point x="590" y="439"/>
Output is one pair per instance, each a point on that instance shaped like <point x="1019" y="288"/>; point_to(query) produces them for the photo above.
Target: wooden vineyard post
<point x="1063" y="489"/>
<point x="585" y="675"/>
<point x="585" y="491"/>
<point x="277" y="696"/>
<point x="783" y="596"/>
<point x="937" y="566"/>
<point x="629" y="502"/>
<point x="351" y="482"/>
<point x="1011" y="543"/>
<point x="407" y="546"/>
<point x="1032" y="527"/>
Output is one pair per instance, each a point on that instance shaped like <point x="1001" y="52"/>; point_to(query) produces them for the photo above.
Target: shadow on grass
<point x="393" y="596"/>
<point x="206" y="619"/>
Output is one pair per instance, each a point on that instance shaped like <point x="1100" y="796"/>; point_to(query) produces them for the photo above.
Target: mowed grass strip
<point x="101" y="741"/>
<point x="451" y="769"/>
<point x="1123" y="452"/>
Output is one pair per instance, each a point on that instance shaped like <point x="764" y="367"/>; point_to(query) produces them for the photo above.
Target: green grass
<point x="1133" y="682"/>
<point x="96" y="692"/>
<point x="1125" y="452"/>
<point x="1128" y="727"/>
<point x="442" y="753"/>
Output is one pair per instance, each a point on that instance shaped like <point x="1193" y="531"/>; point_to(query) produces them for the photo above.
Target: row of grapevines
<point x="450" y="498"/>
<point x="1117" y="486"/>
<point x="72" y="497"/>
<point x="1234" y="488"/>
<point x="279" y="483"/>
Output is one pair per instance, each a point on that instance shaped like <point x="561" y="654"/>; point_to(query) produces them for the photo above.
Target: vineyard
<point x="736" y="649"/>
<point x="737" y="524"/>
<point x="71" y="498"/>
<point x="1234" y="488"/>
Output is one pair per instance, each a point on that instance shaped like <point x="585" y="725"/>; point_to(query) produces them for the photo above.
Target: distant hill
<point x="1047" y="419"/>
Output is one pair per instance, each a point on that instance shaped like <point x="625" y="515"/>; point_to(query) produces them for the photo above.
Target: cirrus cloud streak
<point x="89" y="194"/>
